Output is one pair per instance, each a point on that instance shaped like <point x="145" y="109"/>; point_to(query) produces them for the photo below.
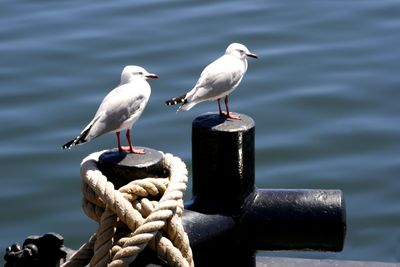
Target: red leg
<point x="131" y="148"/>
<point x="128" y="137"/>
<point x="219" y="107"/>
<point x="226" y="106"/>
<point x="229" y="114"/>
<point x="119" y="142"/>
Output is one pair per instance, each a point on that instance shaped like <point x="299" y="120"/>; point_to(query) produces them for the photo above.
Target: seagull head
<point x="240" y="51"/>
<point x="132" y="72"/>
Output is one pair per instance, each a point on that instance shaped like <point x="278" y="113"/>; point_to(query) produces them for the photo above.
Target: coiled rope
<point x="129" y="221"/>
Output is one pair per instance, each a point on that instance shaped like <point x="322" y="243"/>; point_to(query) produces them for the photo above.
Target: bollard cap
<point x="214" y="122"/>
<point x="122" y="167"/>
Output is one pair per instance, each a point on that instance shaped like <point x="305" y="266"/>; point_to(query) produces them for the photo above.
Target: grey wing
<point x="117" y="113"/>
<point x="218" y="79"/>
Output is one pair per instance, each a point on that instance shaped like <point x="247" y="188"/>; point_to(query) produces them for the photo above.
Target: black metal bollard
<point x="223" y="177"/>
<point x="228" y="218"/>
<point x="244" y="219"/>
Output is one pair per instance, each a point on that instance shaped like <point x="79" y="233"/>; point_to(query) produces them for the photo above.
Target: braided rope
<point x="156" y="224"/>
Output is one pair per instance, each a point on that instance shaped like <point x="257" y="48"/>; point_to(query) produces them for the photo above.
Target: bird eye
<point x="141" y="73"/>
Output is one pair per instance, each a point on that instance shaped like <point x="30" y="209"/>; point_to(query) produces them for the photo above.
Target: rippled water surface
<point x="324" y="94"/>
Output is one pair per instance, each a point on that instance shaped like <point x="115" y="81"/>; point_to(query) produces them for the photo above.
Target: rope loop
<point x="129" y="221"/>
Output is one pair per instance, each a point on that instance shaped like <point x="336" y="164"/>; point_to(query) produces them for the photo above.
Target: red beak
<point x="251" y="55"/>
<point x="152" y="76"/>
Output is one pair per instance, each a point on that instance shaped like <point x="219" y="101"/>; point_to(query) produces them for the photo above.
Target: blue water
<point x="324" y="94"/>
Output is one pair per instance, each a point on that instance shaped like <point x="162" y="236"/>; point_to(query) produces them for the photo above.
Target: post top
<point x="125" y="159"/>
<point x="214" y="122"/>
<point x="122" y="167"/>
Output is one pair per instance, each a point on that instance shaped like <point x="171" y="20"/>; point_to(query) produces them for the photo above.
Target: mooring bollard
<point x="244" y="219"/>
<point x="228" y="215"/>
<point x="228" y="218"/>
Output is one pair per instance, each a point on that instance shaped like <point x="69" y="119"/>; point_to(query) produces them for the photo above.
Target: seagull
<point x="218" y="80"/>
<point x="120" y="109"/>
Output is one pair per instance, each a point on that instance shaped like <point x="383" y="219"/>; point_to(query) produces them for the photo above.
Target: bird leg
<point x="119" y="142"/>
<point x="129" y="148"/>
<point x="229" y="114"/>
<point x="219" y="107"/>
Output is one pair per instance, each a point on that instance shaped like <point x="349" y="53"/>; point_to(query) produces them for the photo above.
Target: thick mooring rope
<point x="128" y="221"/>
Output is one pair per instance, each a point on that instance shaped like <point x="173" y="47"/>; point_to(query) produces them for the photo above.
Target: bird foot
<point x="132" y="150"/>
<point x="230" y="115"/>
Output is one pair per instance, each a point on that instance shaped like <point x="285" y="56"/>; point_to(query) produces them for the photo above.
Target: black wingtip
<point x="176" y="100"/>
<point x="80" y="139"/>
<point x="68" y="145"/>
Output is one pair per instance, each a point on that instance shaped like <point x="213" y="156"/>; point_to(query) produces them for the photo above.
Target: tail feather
<point x="176" y="100"/>
<point x="186" y="106"/>
<point x="80" y="139"/>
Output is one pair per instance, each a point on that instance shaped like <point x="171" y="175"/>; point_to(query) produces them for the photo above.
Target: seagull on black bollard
<point x="218" y="80"/>
<point x="120" y="109"/>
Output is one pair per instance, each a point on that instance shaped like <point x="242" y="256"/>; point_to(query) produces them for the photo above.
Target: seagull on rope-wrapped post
<point x="120" y="109"/>
<point x="218" y="80"/>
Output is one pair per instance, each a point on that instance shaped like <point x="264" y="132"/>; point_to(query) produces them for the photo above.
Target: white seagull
<point x="120" y="109"/>
<point x="218" y="80"/>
